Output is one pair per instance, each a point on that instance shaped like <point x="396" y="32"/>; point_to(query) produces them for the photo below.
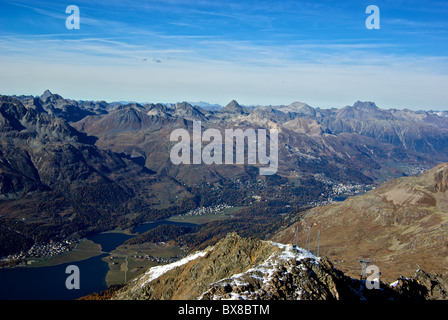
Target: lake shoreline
<point x="102" y="258"/>
<point x="195" y="220"/>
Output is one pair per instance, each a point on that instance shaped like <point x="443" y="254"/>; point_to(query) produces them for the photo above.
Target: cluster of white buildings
<point x="218" y="209"/>
<point x="349" y="189"/>
<point x="158" y="259"/>
<point x="43" y="250"/>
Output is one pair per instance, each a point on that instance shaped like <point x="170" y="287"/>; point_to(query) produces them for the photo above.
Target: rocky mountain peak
<point x="183" y="106"/>
<point x="363" y="111"/>
<point x="187" y="111"/>
<point x="54" y="100"/>
<point x="299" y="108"/>
<point x="232" y="104"/>
<point x="11" y="112"/>
<point x="367" y="105"/>
<point x="46" y="95"/>
<point x="233" y="107"/>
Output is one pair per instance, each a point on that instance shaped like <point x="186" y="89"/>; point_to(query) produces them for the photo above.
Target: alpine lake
<point x="103" y="260"/>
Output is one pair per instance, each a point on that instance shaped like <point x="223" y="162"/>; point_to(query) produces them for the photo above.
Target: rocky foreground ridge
<point x="245" y="268"/>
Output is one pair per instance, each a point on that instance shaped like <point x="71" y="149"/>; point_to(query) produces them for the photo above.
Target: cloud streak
<point x="176" y="50"/>
<point x="113" y="70"/>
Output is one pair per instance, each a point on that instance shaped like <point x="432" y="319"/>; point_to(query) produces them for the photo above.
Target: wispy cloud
<point x="259" y="52"/>
<point x="39" y="10"/>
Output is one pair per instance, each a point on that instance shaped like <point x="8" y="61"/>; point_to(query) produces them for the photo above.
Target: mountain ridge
<point x="47" y="167"/>
<point x="239" y="268"/>
<point x="400" y="225"/>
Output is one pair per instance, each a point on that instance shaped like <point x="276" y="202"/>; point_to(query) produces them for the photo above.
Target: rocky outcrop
<point x="247" y="269"/>
<point x="292" y="274"/>
<point x="441" y="179"/>
<point x="191" y="276"/>
<point x="422" y="286"/>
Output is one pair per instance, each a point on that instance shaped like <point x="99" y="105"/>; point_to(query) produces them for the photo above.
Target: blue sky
<point x="257" y="52"/>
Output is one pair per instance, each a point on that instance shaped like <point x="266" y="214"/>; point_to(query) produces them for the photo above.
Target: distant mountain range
<point x="69" y="168"/>
<point x="367" y="137"/>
